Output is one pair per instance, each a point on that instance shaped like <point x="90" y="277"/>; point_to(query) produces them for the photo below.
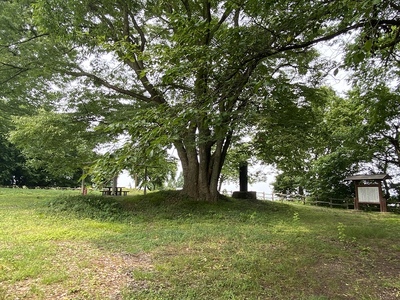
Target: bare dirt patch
<point x="81" y="271"/>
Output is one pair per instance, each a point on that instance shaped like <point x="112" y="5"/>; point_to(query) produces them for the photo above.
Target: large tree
<point x="188" y="73"/>
<point x="339" y="136"/>
<point x="380" y="135"/>
<point x="311" y="144"/>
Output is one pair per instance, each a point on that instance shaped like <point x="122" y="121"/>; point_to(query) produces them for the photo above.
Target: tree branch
<point x="321" y="39"/>
<point x="208" y="18"/>
<point x="236" y="18"/>
<point x="106" y="84"/>
<point x="19" y="70"/>
<point x="271" y="52"/>
<point x="224" y="16"/>
<point x="136" y="65"/>
<point x="187" y="7"/>
<point x="13" y="76"/>
<point x="395" y="6"/>
<point x="13" y="66"/>
<point x="25" y="41"/>
<point x="173" y="85"/>
<point x="140" y="32"/>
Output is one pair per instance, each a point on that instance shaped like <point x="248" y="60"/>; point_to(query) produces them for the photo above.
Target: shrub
<point x="93" y="207"/>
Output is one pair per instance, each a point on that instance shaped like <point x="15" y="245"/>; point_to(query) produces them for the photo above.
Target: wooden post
<point x="145" y="180"/>
<point x="382" y="200"/>
<point x="83" y="188"/>
<point x="356" y="184"/>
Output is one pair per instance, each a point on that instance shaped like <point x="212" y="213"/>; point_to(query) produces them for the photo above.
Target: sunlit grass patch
<point x="164" y="246"/>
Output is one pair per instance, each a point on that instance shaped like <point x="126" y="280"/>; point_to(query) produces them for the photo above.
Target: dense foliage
<point x="195" y="75"/>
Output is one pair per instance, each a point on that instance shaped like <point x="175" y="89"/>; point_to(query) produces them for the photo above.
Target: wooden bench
<point x="105" y="193"/>
<point x="108" y="191"/>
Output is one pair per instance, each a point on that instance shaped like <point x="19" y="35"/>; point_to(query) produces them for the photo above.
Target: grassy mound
<point x="167" y="205"/>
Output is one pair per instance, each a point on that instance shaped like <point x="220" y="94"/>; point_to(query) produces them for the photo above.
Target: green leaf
<point x="368" y="45"/>
<point x="358" y="57"/>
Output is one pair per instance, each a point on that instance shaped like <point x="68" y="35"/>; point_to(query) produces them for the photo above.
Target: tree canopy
<point x="55" y="142"/>
<point x="192" y="74"/>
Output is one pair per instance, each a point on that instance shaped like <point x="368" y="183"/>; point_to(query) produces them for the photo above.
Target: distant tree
<point x="54" y="142"/>
<point x="315" y="145"/>
<point x="14" y="169"/>
<point x="152" y="169"/>
<point x="379" y="106"/>
<point x="291" y="134"/>
<point x="11" y="163"/>
<point x="286" y="183"/>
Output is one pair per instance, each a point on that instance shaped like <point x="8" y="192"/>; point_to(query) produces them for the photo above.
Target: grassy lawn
<point x="54" y="245"/>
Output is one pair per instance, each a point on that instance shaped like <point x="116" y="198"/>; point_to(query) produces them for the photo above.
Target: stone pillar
<point x="243" y="178"/>
<point x="243" y="182"/>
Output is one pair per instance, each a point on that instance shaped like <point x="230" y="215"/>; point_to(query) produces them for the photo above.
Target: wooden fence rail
<point x="332" y="202"/>
<point x="40" y="187"/>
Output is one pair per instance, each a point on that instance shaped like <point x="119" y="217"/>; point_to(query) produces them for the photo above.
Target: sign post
<point x="369" y="193"/>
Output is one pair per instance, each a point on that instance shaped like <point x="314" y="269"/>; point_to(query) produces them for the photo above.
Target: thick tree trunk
<point x="83" y="185"/>
<point x="199" y="189"/>
<point x="114" y="185"/>
<point x="136" y="179"/>
<point x="196" y="183"/>
<point x="201" y="170"/>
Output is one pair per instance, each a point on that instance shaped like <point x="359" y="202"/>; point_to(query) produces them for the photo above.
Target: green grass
<point x="59" y="245"/>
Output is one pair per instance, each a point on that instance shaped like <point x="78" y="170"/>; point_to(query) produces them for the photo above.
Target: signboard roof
<point x="369" y="177"/>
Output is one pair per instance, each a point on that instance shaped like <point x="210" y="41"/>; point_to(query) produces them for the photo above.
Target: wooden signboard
<point x="368" y="194"/>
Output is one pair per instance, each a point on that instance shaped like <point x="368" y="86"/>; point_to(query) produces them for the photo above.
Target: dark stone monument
<point x="243" y="182"/>
<point x="243" y="178"/>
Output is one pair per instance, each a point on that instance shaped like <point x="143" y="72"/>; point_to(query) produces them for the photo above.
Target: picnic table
<point x="109" y="191"/>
